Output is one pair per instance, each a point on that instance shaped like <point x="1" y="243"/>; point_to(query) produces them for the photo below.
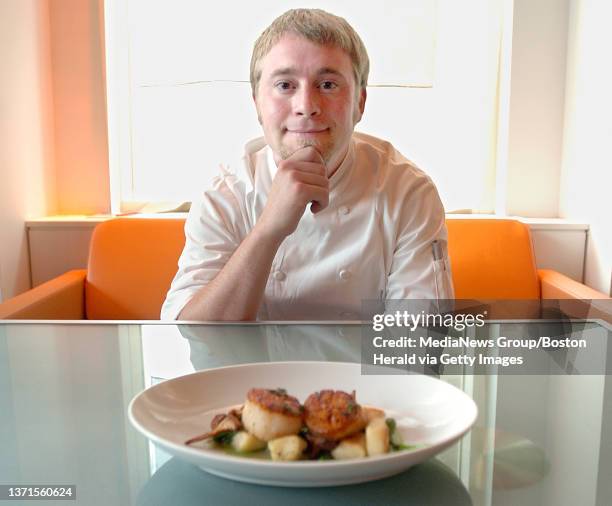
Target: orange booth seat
<point x="132" y="262"/>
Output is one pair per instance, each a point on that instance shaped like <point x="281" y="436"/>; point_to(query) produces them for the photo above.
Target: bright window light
<point x="180" y="102"/>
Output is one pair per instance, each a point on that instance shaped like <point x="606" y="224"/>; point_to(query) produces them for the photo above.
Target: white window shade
<point x="180" y="101"/>
<point x="182" y="41"/>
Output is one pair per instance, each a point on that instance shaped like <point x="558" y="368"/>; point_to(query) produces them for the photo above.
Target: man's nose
<point x="306" y="102"/>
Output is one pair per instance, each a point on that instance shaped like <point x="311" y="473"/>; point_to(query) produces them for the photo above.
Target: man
<point x="314" y="218"/>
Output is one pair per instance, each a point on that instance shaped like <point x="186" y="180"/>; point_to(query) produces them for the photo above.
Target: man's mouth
<point x="307" y="130"/>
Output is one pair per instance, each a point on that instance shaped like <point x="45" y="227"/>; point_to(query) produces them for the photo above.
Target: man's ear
<point x="361" y="100"/>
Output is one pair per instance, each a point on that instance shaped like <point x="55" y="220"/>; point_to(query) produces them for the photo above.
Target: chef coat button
<point x="344" y="274"/>
<point x="345" y="210"/>
<point x="279" y="276"/>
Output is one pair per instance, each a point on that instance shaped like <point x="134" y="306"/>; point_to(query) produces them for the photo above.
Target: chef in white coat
<point x="313" y="218"/>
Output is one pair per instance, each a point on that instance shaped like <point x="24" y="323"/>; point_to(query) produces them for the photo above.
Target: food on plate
<point x="369" y="413"/>
<point x="333" y="414"/>
<point x="287" y="448"/>
<point x="377" y="437"/>
<point x="245" y="442"/>
<point x="221" y="425"/>
<point x="352" y="447"/>
<point x="269" y="414"/>
<point x="330" y="425"/>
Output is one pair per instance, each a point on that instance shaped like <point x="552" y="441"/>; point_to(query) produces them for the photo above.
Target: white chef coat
<point x="374" y="240"/>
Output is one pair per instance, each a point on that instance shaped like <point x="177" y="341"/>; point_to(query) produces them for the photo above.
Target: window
<point x="180" y="102"/>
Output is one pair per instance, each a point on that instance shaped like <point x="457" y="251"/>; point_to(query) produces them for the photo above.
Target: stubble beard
<point x="325" y="149"/>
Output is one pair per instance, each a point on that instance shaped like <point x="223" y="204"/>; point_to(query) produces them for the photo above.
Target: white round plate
<point x="429" y="413"/>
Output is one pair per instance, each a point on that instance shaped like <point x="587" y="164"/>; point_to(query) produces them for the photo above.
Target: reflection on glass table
<point x="543" y="438"/>
<point x="177" y="482"/>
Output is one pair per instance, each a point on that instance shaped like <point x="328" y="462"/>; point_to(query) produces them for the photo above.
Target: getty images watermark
<point x="474" y="337"/>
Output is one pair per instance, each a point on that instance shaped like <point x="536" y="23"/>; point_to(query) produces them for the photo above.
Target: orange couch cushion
<point x="492" y="259"/>
<point x="131" y="264"/>
<point x="133" y="260"/>
<point x="60" y="298"/>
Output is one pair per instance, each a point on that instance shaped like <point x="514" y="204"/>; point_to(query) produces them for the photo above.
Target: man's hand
<point x="300" y="179"/>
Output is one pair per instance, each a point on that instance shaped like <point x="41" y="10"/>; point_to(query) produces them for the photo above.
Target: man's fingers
<point x="312" y="167"/>
<point x="301" y="166"/>
<point x="306" y="159"/>
<point x="319" y="198"/>
<point x="310" y="178"/>
<point x="307" y="154"/>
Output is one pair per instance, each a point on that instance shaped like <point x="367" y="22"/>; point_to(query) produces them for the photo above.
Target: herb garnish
<point x="224" y="438"/>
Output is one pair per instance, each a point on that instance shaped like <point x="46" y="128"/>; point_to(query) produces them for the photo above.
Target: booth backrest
<point x="131" y="264"/>
<point x="492" y="259"/>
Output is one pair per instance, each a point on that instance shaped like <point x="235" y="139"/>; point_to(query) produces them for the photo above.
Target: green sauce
<point x="259" y="454"/>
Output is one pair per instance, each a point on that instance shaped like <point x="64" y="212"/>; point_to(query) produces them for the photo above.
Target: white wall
<point x="27" y="178"/>
<point x="586" y="173"/>
<point x="53" y="141"/>
<point x="79" y="95"/>
<point x="535" y="129"/>
<point x="559" y="161"/>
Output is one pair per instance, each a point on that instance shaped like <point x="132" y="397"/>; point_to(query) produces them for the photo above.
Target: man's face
<point x="307" y="97"/>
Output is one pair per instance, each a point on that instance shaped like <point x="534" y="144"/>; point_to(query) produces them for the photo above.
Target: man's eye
<point x="283" y="85"/>
<point x="328" y="85"/>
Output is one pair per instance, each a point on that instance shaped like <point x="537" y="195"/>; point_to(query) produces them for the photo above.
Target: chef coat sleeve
<point x="213" y="231"/>
<point x="417" y="271"/>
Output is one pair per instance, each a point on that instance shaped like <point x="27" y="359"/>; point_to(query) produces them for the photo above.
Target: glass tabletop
<point x="543" y="435"/>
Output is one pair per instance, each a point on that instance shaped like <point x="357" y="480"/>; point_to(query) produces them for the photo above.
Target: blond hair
<point x="319" y="27"/>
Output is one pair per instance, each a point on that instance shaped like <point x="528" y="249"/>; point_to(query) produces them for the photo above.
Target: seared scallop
<point x="270" y="414"/>
<point x="333" y="414"/>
